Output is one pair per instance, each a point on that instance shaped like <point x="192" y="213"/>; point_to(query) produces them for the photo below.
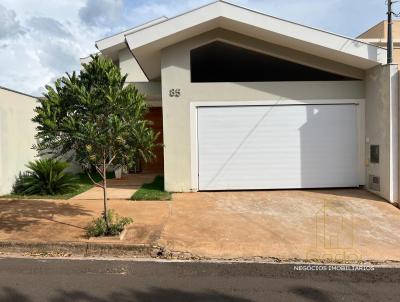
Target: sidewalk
<point x="118" y="188"/>
<point x="215" y="225"/>
<point x="56" y="220"/>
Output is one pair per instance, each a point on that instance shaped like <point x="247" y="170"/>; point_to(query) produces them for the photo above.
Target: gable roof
<point x="117" y="41"/>
<point x="147" y="42"/>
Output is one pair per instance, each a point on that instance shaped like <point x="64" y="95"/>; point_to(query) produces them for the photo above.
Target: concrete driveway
<point x="347" y="224"/>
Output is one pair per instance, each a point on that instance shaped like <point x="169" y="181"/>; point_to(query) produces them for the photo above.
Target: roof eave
<point x="287" y="29"/>
<point x="117" y="41"/>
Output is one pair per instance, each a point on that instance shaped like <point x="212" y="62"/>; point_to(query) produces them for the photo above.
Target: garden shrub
<point x="116" y="225"/>
<point x="45" y="177"/>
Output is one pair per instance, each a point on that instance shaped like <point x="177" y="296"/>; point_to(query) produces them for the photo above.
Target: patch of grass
<point x="84" y="184"/>
<point x="152" y="191"/>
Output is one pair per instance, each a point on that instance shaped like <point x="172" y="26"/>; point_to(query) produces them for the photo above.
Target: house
<point x="377" y="35"/>
<point x="249" y="101"/>
<point x="17" y="135"/>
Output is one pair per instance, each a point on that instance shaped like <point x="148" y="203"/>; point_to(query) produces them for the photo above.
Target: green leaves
<point x="45" y="177"/>
<point x="94" y="108"/>
<point x="116" y="224"/>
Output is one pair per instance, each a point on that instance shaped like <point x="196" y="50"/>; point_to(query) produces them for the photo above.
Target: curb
<point x="187" y="256"/>
<point x="90" y="249"/>
<point x="80" y="249"/>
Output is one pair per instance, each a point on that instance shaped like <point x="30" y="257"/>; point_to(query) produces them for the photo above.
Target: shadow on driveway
<point x="17" y="215"/>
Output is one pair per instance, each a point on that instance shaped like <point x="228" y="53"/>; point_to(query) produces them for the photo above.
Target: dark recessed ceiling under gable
<point x="223" y="62"/>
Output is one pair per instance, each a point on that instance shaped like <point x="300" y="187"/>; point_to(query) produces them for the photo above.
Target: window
<point x="222" y="62"/>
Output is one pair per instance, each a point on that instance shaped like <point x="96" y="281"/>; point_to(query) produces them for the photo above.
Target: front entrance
<point x="155" y="116"/>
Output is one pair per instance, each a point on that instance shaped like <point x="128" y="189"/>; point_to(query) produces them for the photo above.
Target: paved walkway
<point x="314" y="224"/>
<point x="118" y="188"/>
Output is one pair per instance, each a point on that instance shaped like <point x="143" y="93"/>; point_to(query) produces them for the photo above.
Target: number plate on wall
<point x="174" y="93"/>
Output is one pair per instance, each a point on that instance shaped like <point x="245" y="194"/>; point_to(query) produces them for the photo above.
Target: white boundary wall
<point x="17" y="133"/>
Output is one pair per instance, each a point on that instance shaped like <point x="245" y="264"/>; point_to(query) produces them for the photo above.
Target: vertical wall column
<point x="382" y="131"/>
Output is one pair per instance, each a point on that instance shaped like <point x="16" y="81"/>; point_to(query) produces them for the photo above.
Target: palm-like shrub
<point x="45" y="177"/>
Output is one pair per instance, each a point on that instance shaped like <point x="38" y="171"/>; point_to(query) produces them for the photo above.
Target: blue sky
<point x="40" y="40"/>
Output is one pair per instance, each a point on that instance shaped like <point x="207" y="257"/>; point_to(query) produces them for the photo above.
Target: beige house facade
<point x="249" y="101"/>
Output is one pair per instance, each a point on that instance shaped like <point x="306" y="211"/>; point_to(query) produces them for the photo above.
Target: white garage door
<point x="277" y="147"/>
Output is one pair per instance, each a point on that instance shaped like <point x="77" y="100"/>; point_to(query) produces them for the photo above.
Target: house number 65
<point x="174" y="93"/>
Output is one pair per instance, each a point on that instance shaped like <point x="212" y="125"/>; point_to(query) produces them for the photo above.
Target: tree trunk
<point x="105" y="193"/>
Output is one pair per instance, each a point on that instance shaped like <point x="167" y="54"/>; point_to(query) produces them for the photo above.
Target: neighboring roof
<point x="378" y="34"/>
<point x="375" y="32"/>
<point x="117" y="41"/>
<point x="15" y="91"/>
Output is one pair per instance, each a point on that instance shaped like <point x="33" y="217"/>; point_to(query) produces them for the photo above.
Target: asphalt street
<point x="29" y="280"/>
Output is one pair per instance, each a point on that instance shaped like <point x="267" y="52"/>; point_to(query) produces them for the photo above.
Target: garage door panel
<point x="273" y="147"/>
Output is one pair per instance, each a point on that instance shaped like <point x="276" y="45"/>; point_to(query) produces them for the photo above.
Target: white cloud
<point x="102" y="12"/>
<point x="9" y="25"/>
<point x="56" y="9"/>
<point x="40" y="40"/>
<point x="49" y="47"/>
<point x="144" y="10"/>
<point x="49" y="26"/>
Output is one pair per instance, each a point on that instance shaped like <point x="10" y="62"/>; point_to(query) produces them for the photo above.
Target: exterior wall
<point x="396" y="48"/>
<point x="381" y="127"/>
<point x="375" y="80"/>
<point x="17" y="133"/>
<point x="129" y="65"/>
<point x="395" y="30"/>
<point x="175" y="66"/>
<point x="152" y="91"/>
<point x="126" y="62"/>
<point x="396" y="54"/>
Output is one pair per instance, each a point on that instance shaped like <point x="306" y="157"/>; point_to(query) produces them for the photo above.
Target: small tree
<point x="95" y="119"/>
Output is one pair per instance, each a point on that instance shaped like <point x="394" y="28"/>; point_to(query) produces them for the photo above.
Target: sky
<point x="41" y="40"/>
